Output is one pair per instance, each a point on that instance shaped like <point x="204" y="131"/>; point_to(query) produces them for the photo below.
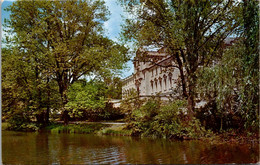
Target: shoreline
<point x="118" y="129"/>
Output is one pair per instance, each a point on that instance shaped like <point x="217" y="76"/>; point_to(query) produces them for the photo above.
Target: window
<point x="170" y="79"/>
<point x="160" y="81"/>
<point x="155" y="80"/>
<point x="165" y="80"/>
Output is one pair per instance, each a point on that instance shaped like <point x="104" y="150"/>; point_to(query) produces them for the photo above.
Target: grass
<point x="76" y="128"/>
<point x="5" y="126"/>
<point x="98" y="128"/>
<point x="118" y="131"/>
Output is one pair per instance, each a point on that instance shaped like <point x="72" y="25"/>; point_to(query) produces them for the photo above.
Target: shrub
<point x="106" y="113"/>
<point x="167" y="121"/>
<point x="21" y="122"/>
<point x="87" y="101"/>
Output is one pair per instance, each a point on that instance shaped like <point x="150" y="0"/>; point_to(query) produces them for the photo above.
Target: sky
<point x="112" y="26"/>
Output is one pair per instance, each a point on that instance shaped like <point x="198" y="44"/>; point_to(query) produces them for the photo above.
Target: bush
<point x="106" y="113"/>
<point x="167" y="121"/>
<point x="130" y="104"/>
<point x="117" y="131"/>
<point x="87" y="101"/>
<point x="20" y="122"/>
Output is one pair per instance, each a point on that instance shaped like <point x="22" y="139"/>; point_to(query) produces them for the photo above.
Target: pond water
<point x="47" y="148"/>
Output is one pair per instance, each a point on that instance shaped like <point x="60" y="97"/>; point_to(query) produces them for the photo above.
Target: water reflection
<point x="46" y="148"/>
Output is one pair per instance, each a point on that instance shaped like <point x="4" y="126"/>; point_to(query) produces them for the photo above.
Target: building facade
<point x="154" y="74"/>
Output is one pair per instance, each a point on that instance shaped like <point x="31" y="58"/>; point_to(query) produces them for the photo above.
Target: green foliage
<point x="87" y="101"/>
<point x="131" y="103"/>
<point x="231" y="86"/>
<point x="147" y="111"/>
<point x="225" y="85"/>
<point x="51" y="45"/>
<point x="77" y="128"/>
<point x="113" y="87"/>
<point x="192" y="33"/>
<point x="88" y="96"/>
<point x="167" y="121"/>
<point x="250" y="61"/>
<point x="19" y="122"/>
<point x="24" y="89"/>
<point x="117" y="131"/>
<point x="4" y="125"/>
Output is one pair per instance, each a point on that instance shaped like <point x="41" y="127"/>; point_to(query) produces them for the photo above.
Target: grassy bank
<point x="116" y="131"/>
<point x="124" y="130"/>
<point x="84" y="128"/>
<point x="230" y="136"/>
<point x="58" y="127"/>
<point x="4" y="126"/>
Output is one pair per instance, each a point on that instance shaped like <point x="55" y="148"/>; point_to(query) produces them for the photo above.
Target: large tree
<point x="231" y="87"/>
<point x="191" y="31"/>
<point x="64" y="39"/>
<point x="26" y="87"/>
<point x="250" y="59"/>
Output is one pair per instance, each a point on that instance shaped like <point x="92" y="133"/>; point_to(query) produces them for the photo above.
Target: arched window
<point x="160" y="81"/>
<point x="151" y="83"/>
<point x="165" y="81"/>
<point x="155" y="80"/>
<point x="170" y="79"/>
<point x="144" y="73"/>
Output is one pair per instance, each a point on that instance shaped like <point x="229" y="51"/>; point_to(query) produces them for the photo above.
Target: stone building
<point x="151" y="76"/>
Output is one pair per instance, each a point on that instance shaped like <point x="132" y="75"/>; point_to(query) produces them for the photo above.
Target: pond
<point x="47" y="148"/>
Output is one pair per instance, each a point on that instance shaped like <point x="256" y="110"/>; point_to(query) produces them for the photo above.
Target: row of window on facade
<point x="157" y="83"/>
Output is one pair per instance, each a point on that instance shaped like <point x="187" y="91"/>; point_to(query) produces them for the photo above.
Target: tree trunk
<point x="191" y="96"/>
<point x="191" y="106"/>
<point x="221" y="124"/>
<point x="64" y="100"/>
<point x="65" y="117"/>
<point x="47" y="114"/>
<point x="191" y="84"/>
<point x="40" y="118"/>
<point x="183" y="81"/>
